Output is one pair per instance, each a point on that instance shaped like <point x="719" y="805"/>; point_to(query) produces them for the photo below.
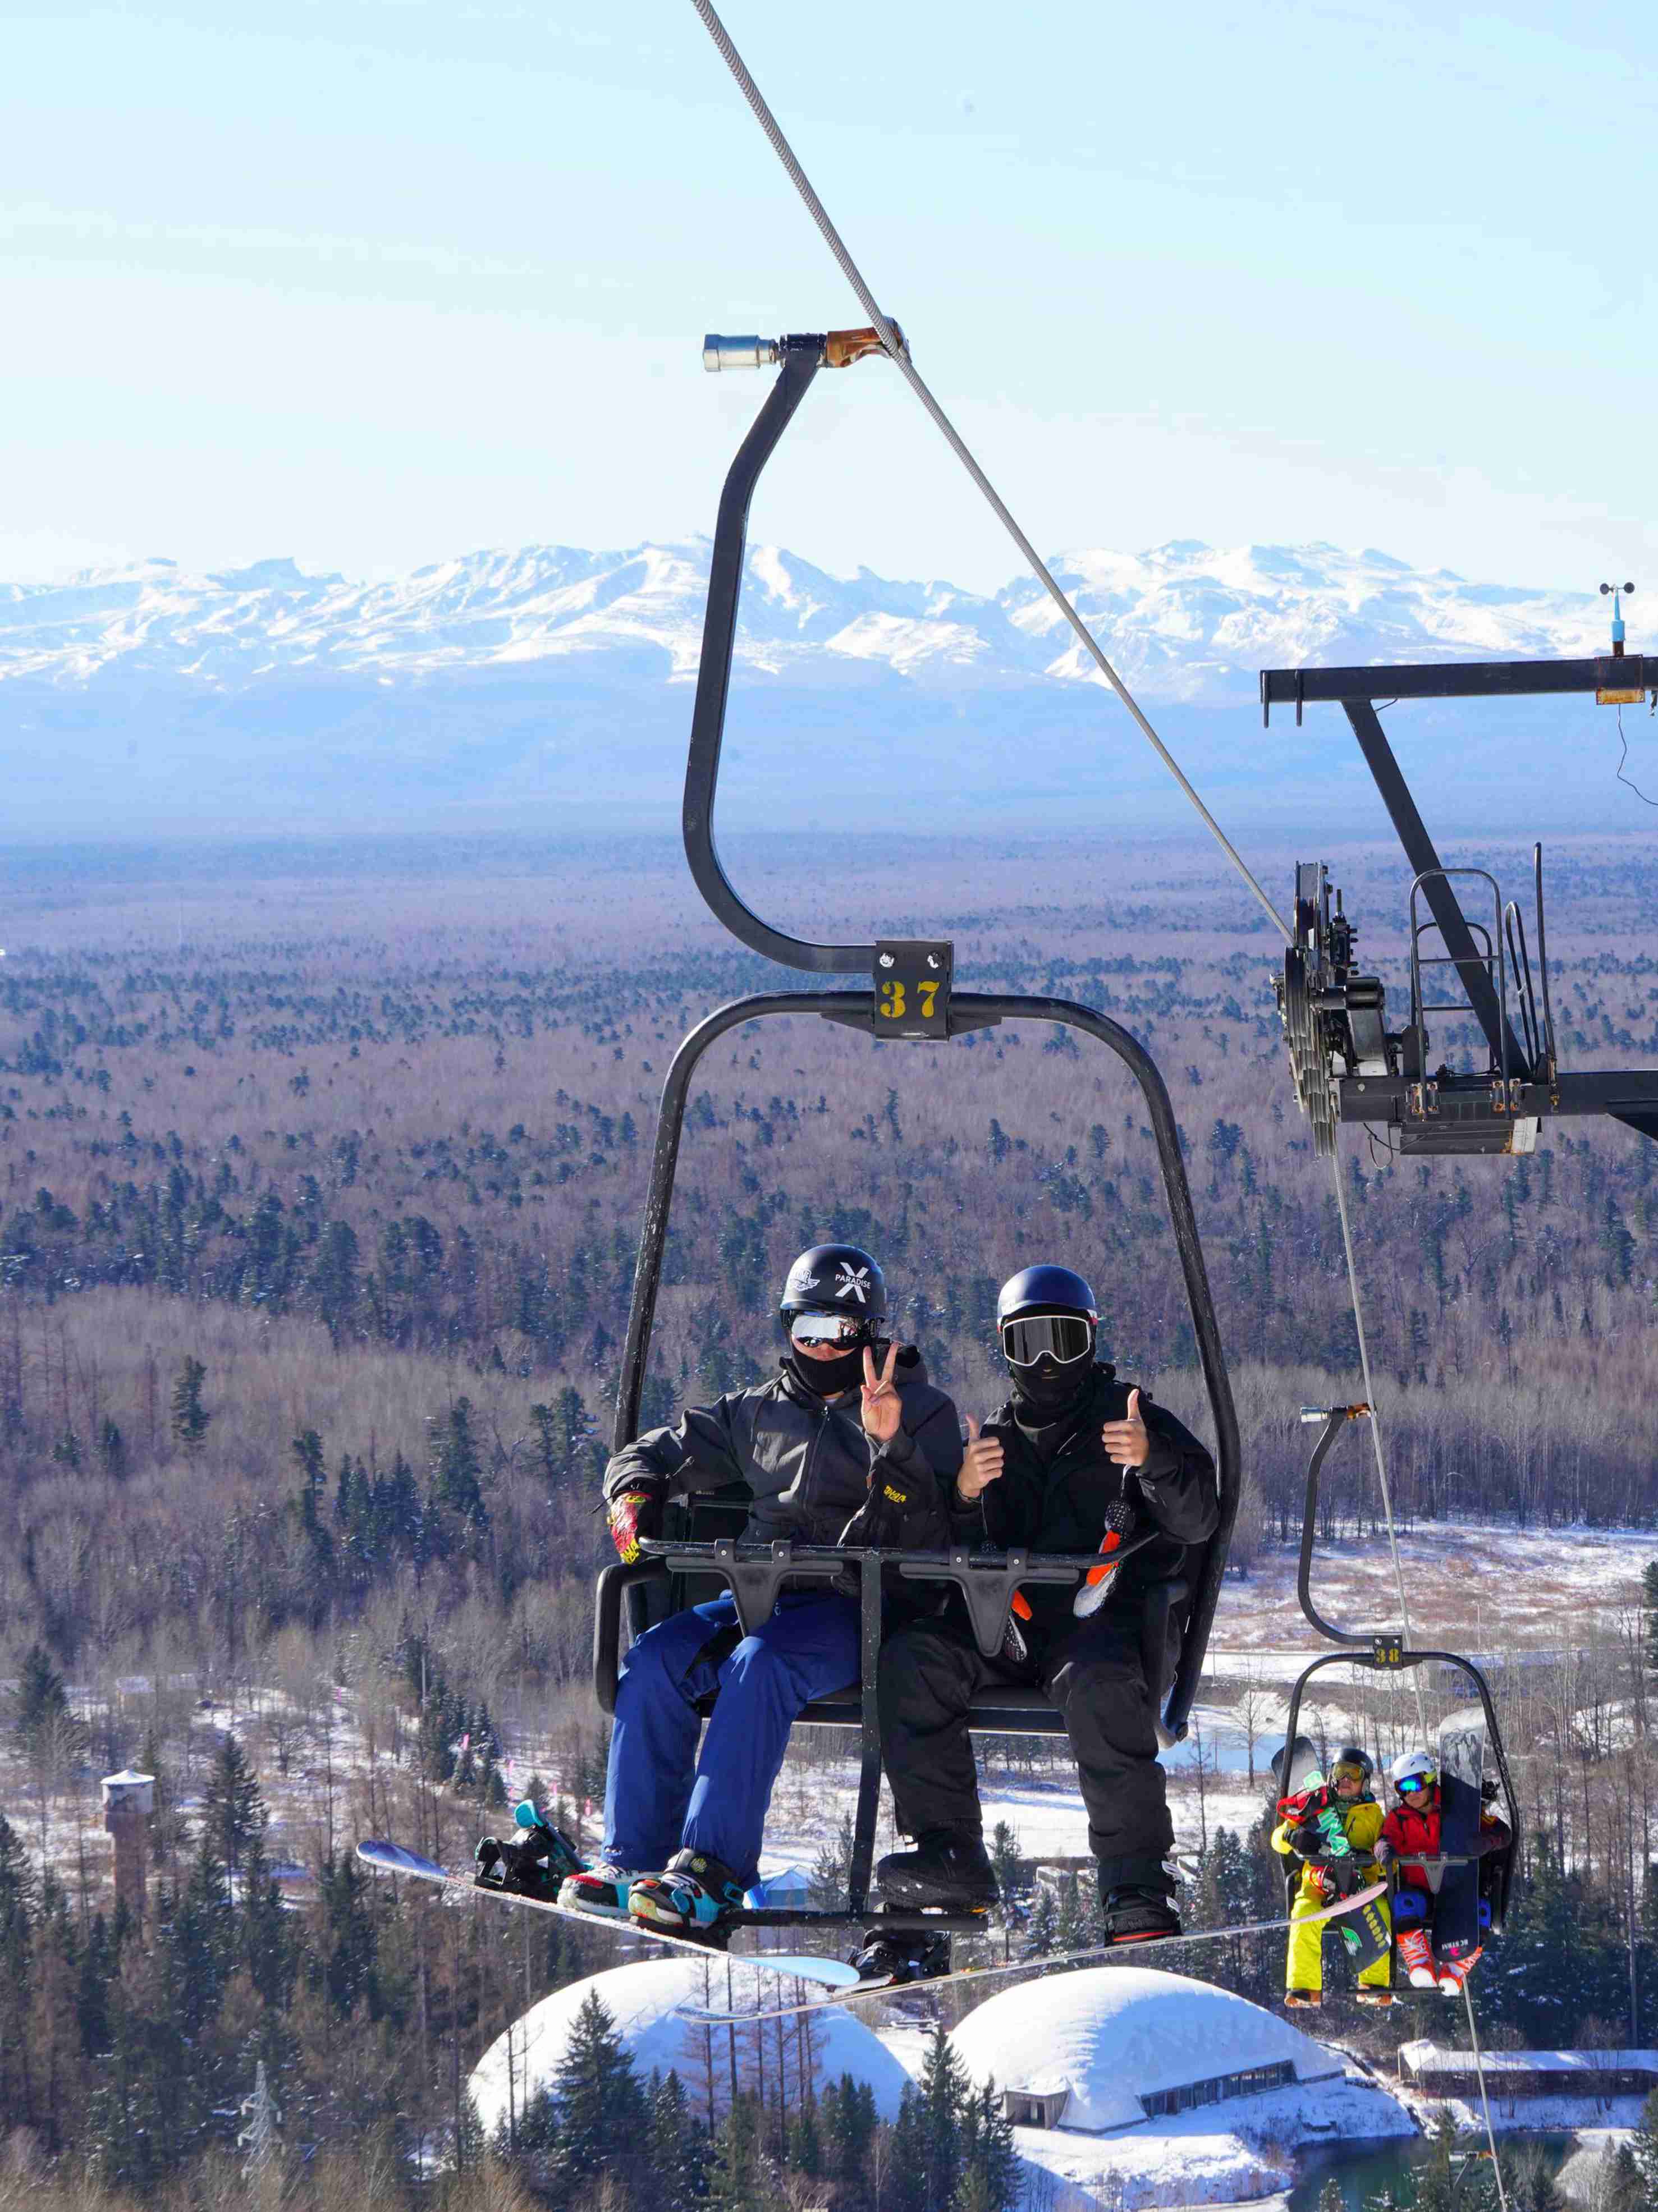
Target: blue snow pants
<point x="659" y="1797"/>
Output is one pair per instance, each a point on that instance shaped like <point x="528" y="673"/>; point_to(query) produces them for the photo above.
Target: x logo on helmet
<point x="852" y="1283"/>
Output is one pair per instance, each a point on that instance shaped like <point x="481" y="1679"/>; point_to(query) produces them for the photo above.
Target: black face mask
<point x="1049" y="1390"/>
<point x="827" y="1378"/>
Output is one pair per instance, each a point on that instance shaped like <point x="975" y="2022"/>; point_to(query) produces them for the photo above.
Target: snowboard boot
<point x="890" y="1955"/>
<point x="948" y="1871"/>
<point x="535" y="1863"/>
<point x="600" y="1889"/>
<point x="1377" y="1996"/>
<point x="1416" y="1956"/>
<point x="1453" y="1973"/>
<point x="1140" y="1916"/>
<point x="694" y="1897"/>
<point x="1312" y="1999"/>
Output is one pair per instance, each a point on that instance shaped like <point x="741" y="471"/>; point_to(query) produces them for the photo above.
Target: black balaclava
<point x="1047" y="1391"/>
<point x="827" y="1378"/>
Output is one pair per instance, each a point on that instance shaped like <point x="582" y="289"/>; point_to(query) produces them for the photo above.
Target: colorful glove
<point x="1382" y="1850"/>
<point x="633" y="1514"/>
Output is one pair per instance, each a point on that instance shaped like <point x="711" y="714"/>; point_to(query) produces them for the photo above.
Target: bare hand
<point x="882" y="1412"/>
<point x="981" y="1464"/>
<point x="1128" y="1440"/>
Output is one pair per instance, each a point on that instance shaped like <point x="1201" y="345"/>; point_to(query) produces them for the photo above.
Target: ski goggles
<point x="1063" y="1337"/>
<point x="827" y="1328"/>
<point x="1413" y="1783"/>
<point x="1349" y="1772"/>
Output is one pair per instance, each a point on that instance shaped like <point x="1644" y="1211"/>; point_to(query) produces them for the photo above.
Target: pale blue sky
<point x="374" y="281"/>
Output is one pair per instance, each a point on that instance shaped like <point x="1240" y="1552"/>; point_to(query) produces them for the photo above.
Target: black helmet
<point x="1036" y="1294"/>
<point x="1354" y="1758"/>
<point x="835" y="1278"/>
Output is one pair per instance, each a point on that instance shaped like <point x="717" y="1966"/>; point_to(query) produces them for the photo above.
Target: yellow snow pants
<point x="1304" y="1966"/>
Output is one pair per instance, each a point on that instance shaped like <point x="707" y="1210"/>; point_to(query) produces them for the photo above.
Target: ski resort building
<point x="649" y="2003"/>
<point x="1118" y="2046"/>
<point x="1509" y="2074"/>
<point x="1142" y="2088"/>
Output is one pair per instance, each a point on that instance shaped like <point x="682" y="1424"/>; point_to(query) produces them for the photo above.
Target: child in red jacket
<point x="1410" y="1834"/>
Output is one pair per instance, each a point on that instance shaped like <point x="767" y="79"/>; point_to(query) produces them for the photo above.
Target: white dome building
<point x="1115" y="2046"/>
<point x="645" y="2001"/>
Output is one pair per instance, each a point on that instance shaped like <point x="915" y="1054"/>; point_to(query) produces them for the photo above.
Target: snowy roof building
<point x="1113" y="2047"/>
<point x="645" y="2001"/>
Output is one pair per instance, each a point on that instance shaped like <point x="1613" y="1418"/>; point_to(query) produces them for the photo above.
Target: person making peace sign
<point x="834" y="1448"/>
<point x="1073" y="1456"/>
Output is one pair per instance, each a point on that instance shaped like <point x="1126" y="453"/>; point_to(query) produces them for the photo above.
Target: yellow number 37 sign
<point x="912" y="990"/>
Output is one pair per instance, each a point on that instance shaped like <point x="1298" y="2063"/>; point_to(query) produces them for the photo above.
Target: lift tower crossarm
<point x="1452" y="679"/>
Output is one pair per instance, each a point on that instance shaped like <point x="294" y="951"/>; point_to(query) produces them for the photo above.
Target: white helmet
<point x="1412" y="1767"/>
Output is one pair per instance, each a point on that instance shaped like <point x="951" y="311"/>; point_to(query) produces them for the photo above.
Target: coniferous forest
<point x="323" y="1170"/>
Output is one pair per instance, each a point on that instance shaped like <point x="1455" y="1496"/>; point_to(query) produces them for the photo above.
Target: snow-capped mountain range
<point x="1184" y="622"/>
<point x="550" y="689"/>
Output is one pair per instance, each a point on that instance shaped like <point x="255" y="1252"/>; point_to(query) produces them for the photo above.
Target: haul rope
<point x="898" y="353"/>
<point x="1486" y="2102"/>
<point x="1375" y="1434"/>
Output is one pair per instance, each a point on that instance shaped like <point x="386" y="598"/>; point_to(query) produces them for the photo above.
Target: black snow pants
<point x="1094" y="1672"/>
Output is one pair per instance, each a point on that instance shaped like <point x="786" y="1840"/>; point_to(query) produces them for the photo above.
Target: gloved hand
<point x="1382" y="1850"/>
<point x="1342" y="1876"/>
<point x="633" y="1513"/>
<point x="879" y="1522"/>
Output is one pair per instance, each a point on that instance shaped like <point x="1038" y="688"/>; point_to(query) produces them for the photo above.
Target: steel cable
<point x="897" y="352"/>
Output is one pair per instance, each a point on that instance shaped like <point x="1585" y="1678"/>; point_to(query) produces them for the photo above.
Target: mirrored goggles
<point x="1349" y="1773"/>
<point x="1063" y="1337"/>
<point x="828" y="1328"/>
<point x="1411" y="1783"/>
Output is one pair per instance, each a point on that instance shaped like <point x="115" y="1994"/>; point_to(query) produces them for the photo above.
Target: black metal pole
<point x="1441" y="899"/>
<point x="800" y="362"/>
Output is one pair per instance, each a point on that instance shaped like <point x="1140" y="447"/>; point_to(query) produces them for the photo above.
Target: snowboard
<point x="1128" y="1953"/>
<point x="838" y="1979"/>
<point x="393" y="1859"/>
<point x="1456" y="1908"/>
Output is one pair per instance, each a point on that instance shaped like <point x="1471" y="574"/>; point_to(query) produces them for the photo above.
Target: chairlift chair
<point x="907" y="992"/>
<point x="1386" y="1651"/>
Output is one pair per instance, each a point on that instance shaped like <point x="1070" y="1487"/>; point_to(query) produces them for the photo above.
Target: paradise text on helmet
<point x="833" y="1302"/>
<point x="837" y="1279"/>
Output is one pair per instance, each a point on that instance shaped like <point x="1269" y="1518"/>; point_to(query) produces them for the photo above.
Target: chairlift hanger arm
<point x="799" y="359"/>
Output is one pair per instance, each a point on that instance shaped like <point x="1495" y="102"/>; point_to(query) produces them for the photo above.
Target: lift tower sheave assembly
<point x="1346" y="1063"/>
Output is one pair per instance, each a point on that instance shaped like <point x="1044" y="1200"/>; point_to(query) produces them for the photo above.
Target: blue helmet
<point x="1045" y="1290"/>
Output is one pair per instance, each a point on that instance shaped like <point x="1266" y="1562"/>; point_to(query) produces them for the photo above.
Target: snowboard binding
<point x="896" y="1958"/>
<point x="536" y="1863"/>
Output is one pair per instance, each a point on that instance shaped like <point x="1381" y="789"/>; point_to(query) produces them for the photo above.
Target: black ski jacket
<point x="1061" y="1506"/>
<point x="805" y="1459"/>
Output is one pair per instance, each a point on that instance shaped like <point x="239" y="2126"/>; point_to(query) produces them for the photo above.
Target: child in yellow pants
<point x="1296" y="1836"/>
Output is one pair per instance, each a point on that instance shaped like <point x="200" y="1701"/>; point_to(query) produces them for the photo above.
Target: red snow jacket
<point x="1409" y="1830"/>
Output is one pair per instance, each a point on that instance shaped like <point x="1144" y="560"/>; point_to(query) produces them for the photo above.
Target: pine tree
<point x="1039" y="1935"/>
<point x="200" y="1941"/>
<point x="946" y="2092"/>
<point x="906" y="2158"/>
<point x="1330" y="2196"/>
<point x="232" y="1806"/>
<point x="741" y="2177"/>
<point x="989" y="2163"/>
<point x="675" y="2148"/>
<point x="1074" y="1926"/>
<point x="16" y="1933"/>
<point x="190" y="1416"/>
<point x="1643" y="2150"/>
<point x="457" y="1466"/>
<point x="601" y="2117"/>
<point x="1649" y="1601"/>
